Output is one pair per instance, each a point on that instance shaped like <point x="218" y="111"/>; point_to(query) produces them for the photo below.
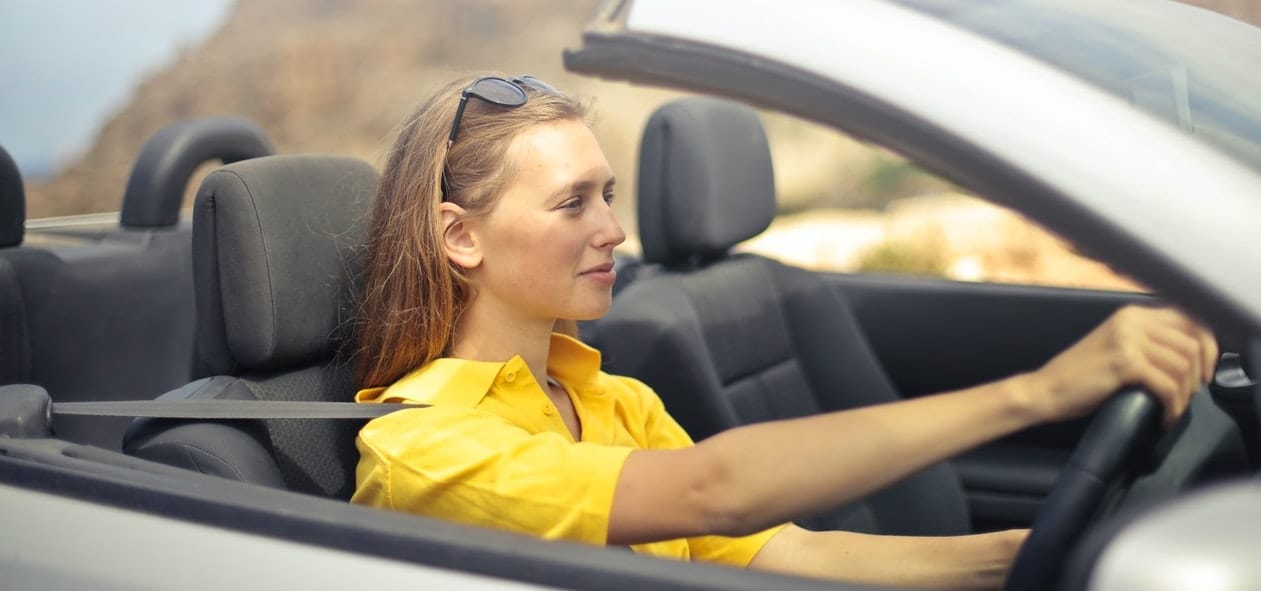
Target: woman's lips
<point x="602" y="274"/>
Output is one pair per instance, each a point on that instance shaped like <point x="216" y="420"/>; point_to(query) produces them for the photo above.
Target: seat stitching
<point x="271" y="301"/>
<point x="193" y="458"/>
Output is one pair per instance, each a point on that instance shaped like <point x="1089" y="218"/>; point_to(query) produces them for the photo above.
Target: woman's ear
<point x="458" y="237"/>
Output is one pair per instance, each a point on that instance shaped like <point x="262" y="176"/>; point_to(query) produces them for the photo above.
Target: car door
<point x="934" y="335"/>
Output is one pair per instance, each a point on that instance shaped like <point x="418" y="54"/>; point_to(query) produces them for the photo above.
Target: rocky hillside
<point x="337" y="76"/>
<point x="1245" y="10"/>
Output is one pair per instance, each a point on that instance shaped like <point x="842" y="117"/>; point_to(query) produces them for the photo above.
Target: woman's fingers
<point x="1187" y="347"/>
<point x="1157" y="348"/>
<point x="1210" y="351"/>
<point x="1162" y="372"/>
<point x="1206" y="342"/>
<point x="1171" y="355"/>
<point x="1169" y="375"/>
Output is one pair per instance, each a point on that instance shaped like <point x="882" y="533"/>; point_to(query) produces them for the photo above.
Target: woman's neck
<point x="485" y="336"/>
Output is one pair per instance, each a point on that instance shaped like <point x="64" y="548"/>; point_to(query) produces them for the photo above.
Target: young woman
<point x="493" y="229"/>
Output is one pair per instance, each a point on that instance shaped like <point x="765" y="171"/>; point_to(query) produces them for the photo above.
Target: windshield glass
<point x="1195" y="69"/>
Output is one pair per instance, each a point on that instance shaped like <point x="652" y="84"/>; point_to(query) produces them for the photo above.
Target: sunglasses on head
<point x="497" y="91"/>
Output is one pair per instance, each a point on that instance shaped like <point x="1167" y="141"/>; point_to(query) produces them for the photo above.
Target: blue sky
<point x="67" y="65"/>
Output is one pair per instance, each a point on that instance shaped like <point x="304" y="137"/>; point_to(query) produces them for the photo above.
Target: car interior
<point x="251" y="301"/>
<point x="730" y="339"/>
<point x="104" y="311"/>
<point x="273" y="245"/>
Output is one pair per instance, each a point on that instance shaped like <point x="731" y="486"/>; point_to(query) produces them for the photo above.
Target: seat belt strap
<point x="229" y="409"/>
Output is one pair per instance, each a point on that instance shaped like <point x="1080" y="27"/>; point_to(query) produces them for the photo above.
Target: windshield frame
<point x="1180" y="63"/>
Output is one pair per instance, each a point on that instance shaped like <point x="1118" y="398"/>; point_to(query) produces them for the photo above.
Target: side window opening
<point x="849" y="207"/>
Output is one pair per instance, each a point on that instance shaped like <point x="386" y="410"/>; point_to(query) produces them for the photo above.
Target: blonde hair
<point x="412" y="295"/>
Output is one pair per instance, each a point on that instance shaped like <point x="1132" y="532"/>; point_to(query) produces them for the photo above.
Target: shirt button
<point x="547" y="409"/>
<point x="510" y="377"/>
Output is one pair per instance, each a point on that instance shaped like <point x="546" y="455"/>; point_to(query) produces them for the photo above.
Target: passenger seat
<point x="273" y="264"/>
<point x="732" y="339"/>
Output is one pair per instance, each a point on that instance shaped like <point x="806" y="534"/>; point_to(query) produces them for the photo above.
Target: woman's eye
<point x="608" y="197"/>
<point x="574" y="203"/>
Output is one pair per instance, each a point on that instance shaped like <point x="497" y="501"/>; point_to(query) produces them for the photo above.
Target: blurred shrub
<point x="924" y="256"/>
<point x="891" y="177"/>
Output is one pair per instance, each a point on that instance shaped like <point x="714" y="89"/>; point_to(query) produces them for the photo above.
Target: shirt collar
<point x="574" y="363"/>
<point x="463" y="382"/>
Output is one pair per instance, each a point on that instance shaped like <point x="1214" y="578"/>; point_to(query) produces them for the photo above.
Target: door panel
<point x="935" y="335"/>
<point x="106" y="314"/>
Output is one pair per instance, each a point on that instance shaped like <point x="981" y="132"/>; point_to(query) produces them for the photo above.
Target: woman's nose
<point x="611" y="233"/>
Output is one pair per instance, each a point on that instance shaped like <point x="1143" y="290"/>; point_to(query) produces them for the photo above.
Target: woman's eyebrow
<point x="582" y="186"/>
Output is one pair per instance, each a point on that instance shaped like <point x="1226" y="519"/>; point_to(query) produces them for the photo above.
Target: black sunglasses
<point x="497" y="91"/>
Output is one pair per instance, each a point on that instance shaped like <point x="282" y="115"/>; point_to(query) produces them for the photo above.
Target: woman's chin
<point x="595" y="311"/>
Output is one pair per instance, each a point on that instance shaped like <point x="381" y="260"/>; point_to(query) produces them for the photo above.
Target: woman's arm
<point x="979" y="561"/>
<point x="752" y="477"/>
<point x="746" y="479"/>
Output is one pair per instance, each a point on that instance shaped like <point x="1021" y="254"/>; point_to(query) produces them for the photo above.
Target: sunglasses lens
<point x="498" y="91"/>
<point x="536" y="84"/>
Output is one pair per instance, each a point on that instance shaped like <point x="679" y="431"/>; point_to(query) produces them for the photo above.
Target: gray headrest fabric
<point x="12" y="202"/>
<point x="155" y="189"/>
<point x="273" y="243"/>
<point x="705" y="180"/>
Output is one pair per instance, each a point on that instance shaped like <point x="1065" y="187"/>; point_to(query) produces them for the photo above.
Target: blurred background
<point x="84" y="83"/>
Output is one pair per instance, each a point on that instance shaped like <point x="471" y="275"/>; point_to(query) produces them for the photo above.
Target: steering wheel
<point x="1124" y="425"/>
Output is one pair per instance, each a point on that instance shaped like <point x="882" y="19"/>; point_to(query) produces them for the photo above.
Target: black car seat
<point x="14" y="364"/>
<point x="106" y="311"/>
<point x="12" y="201"/>
<point x="731" y="339"/>
<point x="272" y="262"/>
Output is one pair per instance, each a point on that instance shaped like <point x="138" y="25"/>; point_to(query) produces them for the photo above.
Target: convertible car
<point x="1132" y="129"/>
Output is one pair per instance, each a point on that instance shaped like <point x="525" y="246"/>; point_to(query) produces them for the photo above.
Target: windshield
<point x="1193" y="68"/>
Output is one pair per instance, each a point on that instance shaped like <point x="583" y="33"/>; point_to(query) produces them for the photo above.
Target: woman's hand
<point x="1158" y="349"/>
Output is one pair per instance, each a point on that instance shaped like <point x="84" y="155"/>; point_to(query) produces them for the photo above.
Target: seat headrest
<point x="273" y="264"/>
<point x="705" y="180"/>
<point x="155" y="189"/>
<point x="12" y="202"/>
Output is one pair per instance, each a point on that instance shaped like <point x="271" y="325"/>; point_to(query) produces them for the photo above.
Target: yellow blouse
<point x="492" y="450"/>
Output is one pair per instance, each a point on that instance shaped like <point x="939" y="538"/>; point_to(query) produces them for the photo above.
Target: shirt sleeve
<point x="731" y="551"/>
<point x="660" y="430"/>
<point x="475" y="467"/>
<point x="663" y="432"/>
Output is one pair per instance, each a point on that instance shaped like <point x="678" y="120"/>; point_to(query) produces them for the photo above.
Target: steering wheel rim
<point x="1124" y="425"/>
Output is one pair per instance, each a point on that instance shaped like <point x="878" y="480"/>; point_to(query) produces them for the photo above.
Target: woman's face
<point x="546" y="249"/>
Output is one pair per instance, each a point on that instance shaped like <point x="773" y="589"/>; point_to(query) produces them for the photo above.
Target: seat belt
<point x="230" y="409"/>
